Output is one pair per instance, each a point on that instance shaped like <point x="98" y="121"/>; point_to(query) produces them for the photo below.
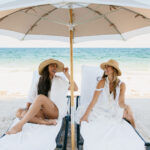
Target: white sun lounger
<point x="36" y="137"/>
<point x="90" y="77"/>
<point x="32" y="137"/>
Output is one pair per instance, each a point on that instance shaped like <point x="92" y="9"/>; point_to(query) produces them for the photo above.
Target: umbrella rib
<point x="16" y="12"/>
<point x="96" y="18"/>
<point x="111" y="23"/>
<point x="34" y="24"/>
<point x="137" y="14"/>
<point x="45" y="18"/>
<point x="101" y="15"/>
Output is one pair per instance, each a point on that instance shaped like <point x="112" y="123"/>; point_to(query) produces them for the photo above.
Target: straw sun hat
<point x="43" y="64"/>
<point x="111" y="63"/>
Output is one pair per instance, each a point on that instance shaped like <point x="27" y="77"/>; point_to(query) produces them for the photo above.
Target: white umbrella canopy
<point x="74" y="20"/>
<point x="11" y="4"/>
<point x="90" y="21"/>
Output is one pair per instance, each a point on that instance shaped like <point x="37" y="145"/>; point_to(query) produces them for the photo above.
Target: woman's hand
<point x="84" y="118"/>
<point x="66" y="71"/>
<point x="127" y="112"/>
<point x="128" y="115"/>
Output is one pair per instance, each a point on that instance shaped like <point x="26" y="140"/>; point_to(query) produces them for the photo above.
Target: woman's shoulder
<point x="122" y="85"/>
<point x="100" y="84"/>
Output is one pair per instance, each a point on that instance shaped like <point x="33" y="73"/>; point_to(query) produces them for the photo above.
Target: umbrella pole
<point x="72" y="84"/>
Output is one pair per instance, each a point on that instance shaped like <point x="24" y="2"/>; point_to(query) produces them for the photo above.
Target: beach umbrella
<point x="74" y="21"/>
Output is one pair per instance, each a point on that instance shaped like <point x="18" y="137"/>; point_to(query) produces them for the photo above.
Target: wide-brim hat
<point x="60" y="65"/>
<point x="113" y="64"/>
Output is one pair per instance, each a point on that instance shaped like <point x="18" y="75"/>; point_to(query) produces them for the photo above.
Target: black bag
<point x="147" y="145"/>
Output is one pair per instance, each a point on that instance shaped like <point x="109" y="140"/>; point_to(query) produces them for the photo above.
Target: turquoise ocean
<point x="28" y="58"/>
<point x="14" y="61"/>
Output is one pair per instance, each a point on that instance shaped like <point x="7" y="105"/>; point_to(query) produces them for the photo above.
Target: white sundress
<point x="106" y="130"/>
<point x="57" y="94"/>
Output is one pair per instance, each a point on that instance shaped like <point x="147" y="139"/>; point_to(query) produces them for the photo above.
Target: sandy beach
<point x="8" y="107"/>
<point x="137" y="83"/>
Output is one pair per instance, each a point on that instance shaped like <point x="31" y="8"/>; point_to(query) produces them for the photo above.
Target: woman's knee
<point x="20" y="113"/>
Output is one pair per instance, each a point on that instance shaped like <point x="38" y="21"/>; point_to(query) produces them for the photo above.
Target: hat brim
<point x="60" y="65"/>
<point x="104" y="64"/>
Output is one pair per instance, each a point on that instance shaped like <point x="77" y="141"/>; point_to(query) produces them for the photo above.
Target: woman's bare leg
<point x="22" y="111"/>
<point x="38" y="119"/>
<point x="40" y="102"/>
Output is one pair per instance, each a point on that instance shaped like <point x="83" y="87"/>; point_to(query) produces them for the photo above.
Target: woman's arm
<point x="37" y="119"/>
<point x="94" y="100"/>
<point x="68" y="77"/>
<point x="122" y="96"/>
<point x="127" y="110"/>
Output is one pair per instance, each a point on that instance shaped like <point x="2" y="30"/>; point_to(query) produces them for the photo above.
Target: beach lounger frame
<point x="80" y="140"/>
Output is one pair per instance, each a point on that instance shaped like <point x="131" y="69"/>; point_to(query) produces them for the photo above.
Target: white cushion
<point x="90" y="75"/>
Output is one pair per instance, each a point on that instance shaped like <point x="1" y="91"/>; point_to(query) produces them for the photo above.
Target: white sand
<point x="141" y="111"/>
<point x="140" y="107"/>
<point x="8" y="107"/>
<point x="137" y="84"/>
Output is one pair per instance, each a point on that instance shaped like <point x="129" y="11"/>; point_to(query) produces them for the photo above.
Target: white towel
<point x="32" y="137"/>
<point x="110" y="135"/>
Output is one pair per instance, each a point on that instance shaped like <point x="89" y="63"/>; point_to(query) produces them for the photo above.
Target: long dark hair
<point x="115" y="81"/>
<point x="44" y="85"/>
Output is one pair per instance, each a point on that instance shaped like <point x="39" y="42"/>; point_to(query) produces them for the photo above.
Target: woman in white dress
<point x="45" y="102"/>
<point x="102" y="125"/>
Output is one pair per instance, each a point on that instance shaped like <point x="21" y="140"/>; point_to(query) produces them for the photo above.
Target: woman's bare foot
<point x="51" y="121"/>
<point x="17" y="128"/>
